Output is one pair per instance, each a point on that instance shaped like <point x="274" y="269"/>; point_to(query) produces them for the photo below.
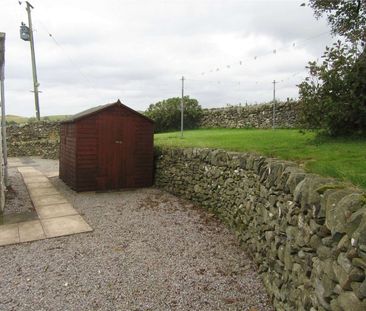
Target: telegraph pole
<point x="182" y="109"/>
<point x="274" y="105"/>
<point x="34" y="68"/>
<point x="3" y="146"/>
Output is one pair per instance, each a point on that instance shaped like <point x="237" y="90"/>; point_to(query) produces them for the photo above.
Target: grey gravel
<point x="17" y="196"/>
<point x="149" y="251"/>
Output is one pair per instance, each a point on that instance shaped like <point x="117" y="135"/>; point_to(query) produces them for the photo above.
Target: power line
<point x="273" y="51"/>
<point x="71" y="61"/>
<point x="69" y="58"/>
<point x="218" y="69"/>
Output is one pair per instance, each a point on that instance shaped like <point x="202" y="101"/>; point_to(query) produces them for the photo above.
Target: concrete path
<point x="57" y="217"/>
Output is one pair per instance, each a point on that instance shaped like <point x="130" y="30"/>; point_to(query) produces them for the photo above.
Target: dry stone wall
<point x="306" y="233"/>
<point x="42" y="138"/>
<point x="255" y="116"/>
<point x="34" y="139"/>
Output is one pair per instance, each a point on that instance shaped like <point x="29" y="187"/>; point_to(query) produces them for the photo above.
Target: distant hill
<point x="56" y="117"/>
<point x="22" y="120"/>
<point x="16" y="119"/>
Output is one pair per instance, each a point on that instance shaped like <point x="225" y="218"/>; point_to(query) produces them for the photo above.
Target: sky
<point x="90" y="52"/>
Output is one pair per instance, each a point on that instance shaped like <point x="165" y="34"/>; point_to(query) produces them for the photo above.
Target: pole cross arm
<point x="29" y="5"/>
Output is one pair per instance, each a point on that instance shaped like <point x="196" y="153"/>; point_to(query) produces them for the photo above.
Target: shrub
<point x="167" y="114"/>
<point x="333" y="97"/>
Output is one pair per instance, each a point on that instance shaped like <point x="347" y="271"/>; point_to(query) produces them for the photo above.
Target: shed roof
<point x="97" y="109"/>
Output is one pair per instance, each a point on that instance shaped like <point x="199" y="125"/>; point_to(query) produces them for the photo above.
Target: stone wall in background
<point x="42" y="138"/>
<point x="255" y="116"/>
<point x="34" y="139"/>
<point x="306" y="233"/>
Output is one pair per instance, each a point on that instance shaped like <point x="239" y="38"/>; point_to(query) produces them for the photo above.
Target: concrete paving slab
<point x="26" y="169"/>
<point x="57" y="217"/>
<point x="31" y="174"/>
<point x="41" y="192"/>
<point x="49" y="200"/>
<point x="40" y="185"/>
<point x="35" y="179"/>
<point x="56" y="210"/>
<point x="52" y="174"/>
<point x="31" y="231"/>
<point x="18" y="217"/>
<point x="9" y="234"/>
<point x="60" y="226"/>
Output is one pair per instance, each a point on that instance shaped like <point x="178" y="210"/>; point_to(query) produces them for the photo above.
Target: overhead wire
<point x="243" y="85"/>
<point x="74" y="65"/>
<point x="217" y="69"/>
<point x="273" y="51"/>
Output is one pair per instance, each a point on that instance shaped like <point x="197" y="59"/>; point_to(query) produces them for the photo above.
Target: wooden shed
<point x="107" y="147"/>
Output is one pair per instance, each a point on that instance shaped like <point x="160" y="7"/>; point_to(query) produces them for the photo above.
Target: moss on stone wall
<point x="310" y="245"/>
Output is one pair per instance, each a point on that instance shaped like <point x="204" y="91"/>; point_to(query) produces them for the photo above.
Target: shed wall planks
<point x="110" y="148"/>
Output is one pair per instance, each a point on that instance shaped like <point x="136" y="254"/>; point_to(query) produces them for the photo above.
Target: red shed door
<point x="114" y="153"/>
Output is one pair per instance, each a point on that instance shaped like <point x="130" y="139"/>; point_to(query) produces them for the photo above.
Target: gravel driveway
<point x="149" y="251"/>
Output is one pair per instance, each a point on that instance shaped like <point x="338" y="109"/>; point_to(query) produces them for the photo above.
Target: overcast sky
<point x="230" y="51"/>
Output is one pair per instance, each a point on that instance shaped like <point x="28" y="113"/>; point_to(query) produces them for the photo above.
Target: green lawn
<point x="336" y="157"/>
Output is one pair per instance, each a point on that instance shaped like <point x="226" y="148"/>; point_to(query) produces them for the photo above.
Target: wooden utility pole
<point x="34" y="68"/>
<point x="182" y="110"/>
<point x="274" y="105"/>
<point x="3" y="151"/>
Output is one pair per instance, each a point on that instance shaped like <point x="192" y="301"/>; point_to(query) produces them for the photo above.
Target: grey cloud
<point x="137" y="50"/>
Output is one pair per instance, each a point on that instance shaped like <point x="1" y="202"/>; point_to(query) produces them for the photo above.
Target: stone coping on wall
<point x="307" y="233"/>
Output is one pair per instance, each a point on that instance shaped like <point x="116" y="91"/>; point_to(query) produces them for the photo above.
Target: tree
<point x="333" y="96"/>
<point x="167" y="114"/>
<point x="346" y="17"/>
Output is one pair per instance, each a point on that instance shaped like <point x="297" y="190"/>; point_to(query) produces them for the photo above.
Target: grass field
<point x="336" y="157"/>
<point x="17" y="119"/>
<point x="22" y="120"/>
